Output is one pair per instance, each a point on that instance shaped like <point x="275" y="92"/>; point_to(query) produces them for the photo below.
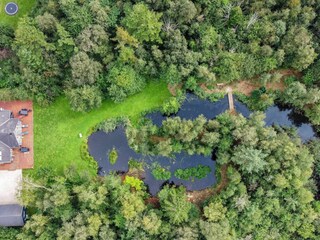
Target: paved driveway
<point x="10" y="184"/>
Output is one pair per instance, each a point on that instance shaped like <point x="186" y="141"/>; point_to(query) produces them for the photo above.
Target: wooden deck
<point x="230" y="99"/>
<point x="21" y="160"/>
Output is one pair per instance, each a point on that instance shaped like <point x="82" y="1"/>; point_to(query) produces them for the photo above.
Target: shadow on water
<point x="101" y="143"/>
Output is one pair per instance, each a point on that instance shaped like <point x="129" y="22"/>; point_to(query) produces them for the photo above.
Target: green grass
<point x="25" y="6"/>
<point x="57" y="127"/>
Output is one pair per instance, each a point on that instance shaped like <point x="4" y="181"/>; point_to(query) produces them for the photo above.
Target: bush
<point x="290" y="80"/>
<point x="312" y="74"/>
<point x="259" y="100"/>
<point x="84" y="99"/>
<point x="111" y="124"/>
<point x="134" y="182"/>
<point x="84" y="153"/>
<point x="124" y="81"/>
<point x="161" y="173"/>
<point x="170" y="106"/>
<point x="198" y="172"/>
<point x="134" y="164"/>
<point x="7" y="36"/>
<point x="113" y="156"/>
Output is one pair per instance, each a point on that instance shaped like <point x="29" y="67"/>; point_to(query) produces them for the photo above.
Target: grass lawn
<point x="56" y="128"/>
<point x="24" y="7"/>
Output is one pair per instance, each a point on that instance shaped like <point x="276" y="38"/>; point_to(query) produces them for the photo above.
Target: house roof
<point x="10" y="135"/>
<point x="4" y="115"/>
<point x="12" y="215"/>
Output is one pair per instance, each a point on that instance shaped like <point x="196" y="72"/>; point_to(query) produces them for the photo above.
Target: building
<point x="12" y="215"/>
<point x="10" y="135"/>
<point x="16" y="154"/>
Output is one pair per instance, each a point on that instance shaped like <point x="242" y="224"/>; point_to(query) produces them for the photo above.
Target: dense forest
<point x="91" y="51"/>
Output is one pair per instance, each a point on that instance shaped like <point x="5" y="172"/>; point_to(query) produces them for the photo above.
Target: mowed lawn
<point x="25" y="7"/>
<point x="57" y="127"/>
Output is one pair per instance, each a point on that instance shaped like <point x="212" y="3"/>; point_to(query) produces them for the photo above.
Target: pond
<point x="101" y="143"/>
<point x="275" y="115"/>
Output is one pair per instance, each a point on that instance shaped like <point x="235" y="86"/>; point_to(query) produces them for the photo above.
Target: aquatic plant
<point x="161" y="173"/>
<point x="113" y="156"/>
<point x="134" y="182"/>
<point x="198" y="172"/>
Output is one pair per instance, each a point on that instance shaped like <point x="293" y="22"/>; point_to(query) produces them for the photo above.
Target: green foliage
<point x="259" y="100"/>
<point x="298" y="46"/>
<point x="134" y="164"/>
<point x="111" y="124"/>
<point x="143" y="23"/>
<point x="134" y="182"/>
<point x="289" y="80"/>
<point x="8" y="233"/>
<point x="249" y="159"/>
<point x="191" y="173"/>
<point x="84" y="69"/>
<point x="84" y="153"/>
<point x="161" y="173"/>
<point x="7" y="36"/>
<point x="174" y="204"/>
<point x="113" y="156"/>
<point x="171" y="106"/>
<point x="124" y="81"/>
<point x="84" y="99"/>
<point x="312" y="74"/>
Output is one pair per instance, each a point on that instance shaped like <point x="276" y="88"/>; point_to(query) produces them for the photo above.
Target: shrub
<point x="84" y="153"/>
<point x="290" y="80"/>
<point x="198" y="172"/>
<point x="134" y="164"/>
<point x="161" y="173"/>
<point x="111" y="124"/>
<point x="113" y="156"/>
<point x="170" y="106"/>
<point x="84" y="99"/>
<point x="191" y="83"/>
<point x="124" y="81"/>
<point x="134" y="182"/>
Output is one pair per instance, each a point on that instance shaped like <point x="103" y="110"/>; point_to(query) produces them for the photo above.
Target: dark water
<point x="100" y="143"/>
<point x="194" y="106"/>
<point x="275" y="115"/>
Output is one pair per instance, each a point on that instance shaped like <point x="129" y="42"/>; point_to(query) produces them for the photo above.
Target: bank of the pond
<point x="57" y="128"/>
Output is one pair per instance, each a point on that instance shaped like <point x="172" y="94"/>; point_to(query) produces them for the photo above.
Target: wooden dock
<point x="230" y="99"/>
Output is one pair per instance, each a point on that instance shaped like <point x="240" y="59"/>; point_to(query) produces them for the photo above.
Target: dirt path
<point x="198" y="197"/>
<point x="245" y="86"/>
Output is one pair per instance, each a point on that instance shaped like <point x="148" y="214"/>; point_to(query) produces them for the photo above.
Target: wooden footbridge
<point x="230" y="99"/>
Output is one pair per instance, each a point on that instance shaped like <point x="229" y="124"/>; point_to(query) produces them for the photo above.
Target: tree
<point x="175" y="204"/>
<point x="84" y="70"/>
<point x="152" y="222"/>
<point x="182" y="11"/>
<point x="94" y="40"/>
<point x="298" y="47"/>
<point x="143" y="24"/>
<point x="124" y="81"/>
<point x="249" y="159"/>
<point x="85" y="98"/>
